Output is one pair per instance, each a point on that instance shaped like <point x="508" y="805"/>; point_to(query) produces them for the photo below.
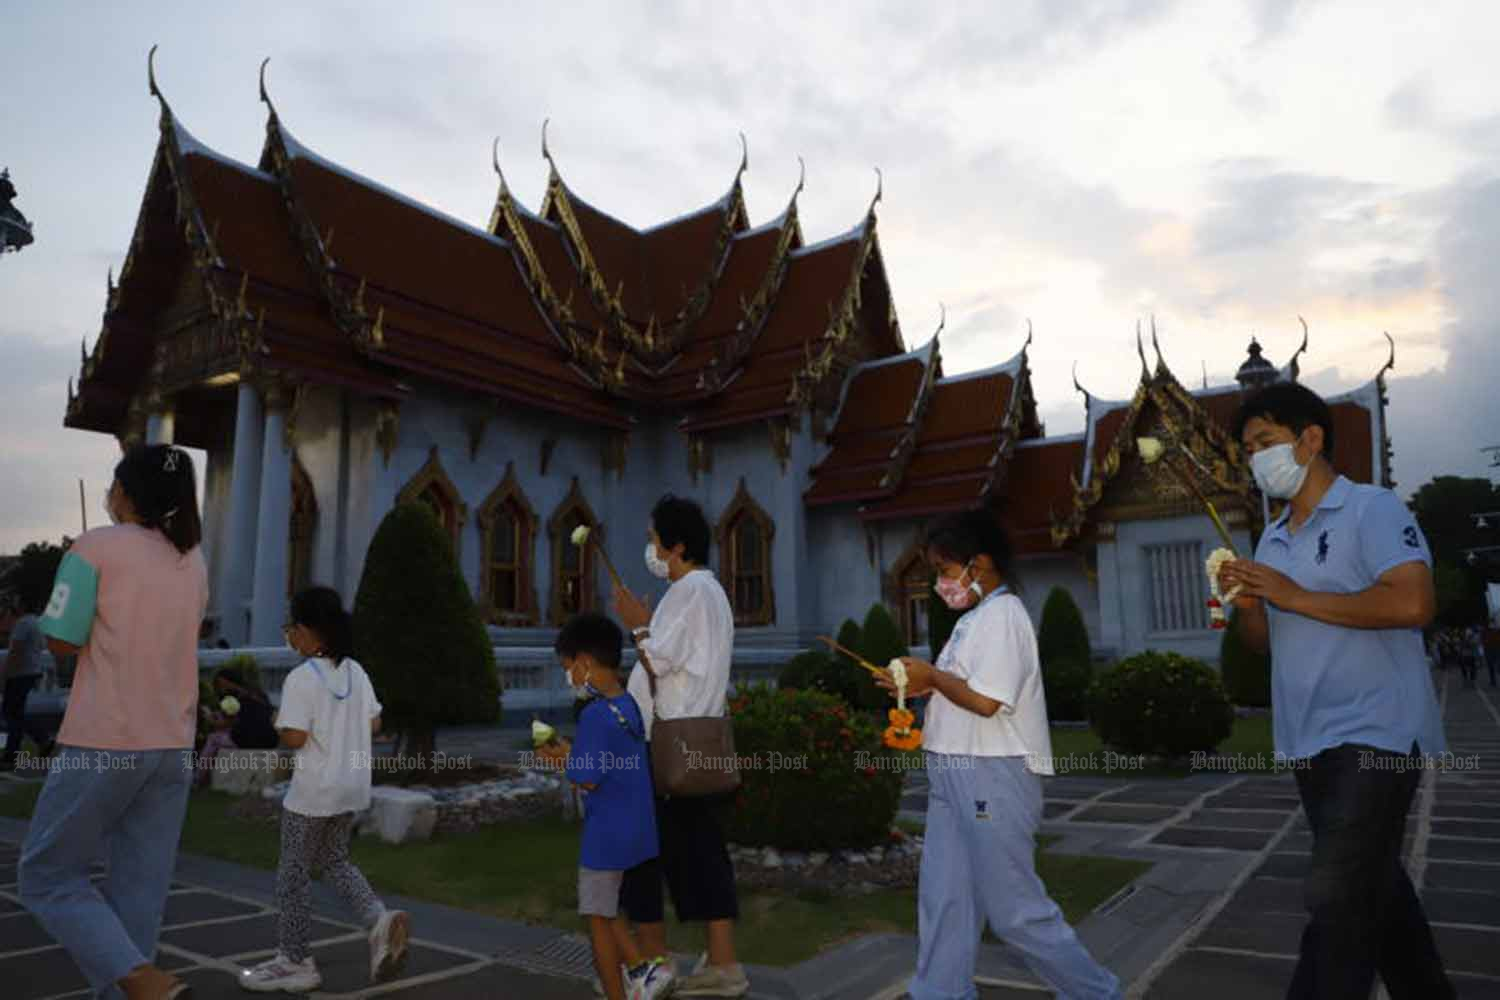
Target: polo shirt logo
<point x="981" y="809"/>
<point x="1322" y="548"/>
<point x="1409" y="536"/>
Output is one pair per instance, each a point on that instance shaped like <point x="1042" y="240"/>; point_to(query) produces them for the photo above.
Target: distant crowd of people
<point x="1467" y="649"/>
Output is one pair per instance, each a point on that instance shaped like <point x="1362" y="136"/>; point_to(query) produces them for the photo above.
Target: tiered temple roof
<point x="304" y="269"/>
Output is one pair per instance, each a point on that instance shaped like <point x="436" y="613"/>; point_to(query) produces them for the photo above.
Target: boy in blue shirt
<point x="608" y="762"/>
<point x="1339" y="591"/>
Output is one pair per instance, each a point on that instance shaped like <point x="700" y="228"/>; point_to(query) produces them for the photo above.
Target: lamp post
<point x="15" y="229"/>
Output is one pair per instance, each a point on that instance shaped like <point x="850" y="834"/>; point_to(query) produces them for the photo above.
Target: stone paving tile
<point x="1454" y="906"/>
<point x="189" y="907"/>
<point x="44" y="973"/>
<point x="1466" y="828"/>
<point x="1242" y="800"/>
<point x="241" y="937"/>
<point x="1051" y="810"/>
<point x="495" y="981"/>
<point x="1448" y="849"/>
<point x="1268" y="895"/>
<point x="20" y="931"/>
<point x="1231" y="840"/>
<point x="1224" y="976"/>
<point x="346" y="966"/>
<point x="1457" y="875"/>
<point x="1466" y="950"/>
<point x="9" y="906"/>
<point x="1013" y="993"/>
<point x="1107" y="813"/>
<point x="1154" y="793"/>
<point x="1285" y="864"/>
<point x="1234" y="819"/>
<point x="1264" y="933"/>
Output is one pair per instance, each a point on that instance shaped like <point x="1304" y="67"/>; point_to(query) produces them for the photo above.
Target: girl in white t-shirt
<point x="328" y="714"/>
<point x="986" y="740"/>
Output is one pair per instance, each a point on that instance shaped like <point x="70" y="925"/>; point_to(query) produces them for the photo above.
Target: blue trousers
<point x="978" y="866"/>
<point x="124" y="808"/>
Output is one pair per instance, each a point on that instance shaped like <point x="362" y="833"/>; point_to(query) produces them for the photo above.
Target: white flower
<point x="230" y="705"/>
<point x="1150" y="448"/>
<point x="897" y="670"/>
<point x="580" y="534"/>
<point x="541" y="733"/>
<point x="1214" y="565"/>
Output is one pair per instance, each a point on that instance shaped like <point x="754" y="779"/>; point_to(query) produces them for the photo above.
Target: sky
<point x="1084" y="166"/>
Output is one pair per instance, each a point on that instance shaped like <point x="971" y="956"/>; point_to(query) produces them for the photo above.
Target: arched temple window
<point x="507" y="526"/>
<point x="909" y="587"/>
<point x="574" y="588"/>
<point x="304" y="524"/>
<point x="744" y="536"/>
<point x="431" y="486"/>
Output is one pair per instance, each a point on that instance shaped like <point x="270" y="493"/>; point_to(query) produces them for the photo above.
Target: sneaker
<point x="388" y="945"/>
<point x="714" y="981"/>
<point x="281" y="973"/>
<point x="656" y="979"/>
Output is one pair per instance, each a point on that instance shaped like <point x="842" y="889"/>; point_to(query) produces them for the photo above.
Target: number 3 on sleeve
<point x="70" y="612"/>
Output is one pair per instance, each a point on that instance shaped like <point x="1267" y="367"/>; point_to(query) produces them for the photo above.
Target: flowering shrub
<point x="813" y="773"/>
<point x="1160" y="703"/>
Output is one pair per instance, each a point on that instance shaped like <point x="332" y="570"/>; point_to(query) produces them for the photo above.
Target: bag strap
<point x="650" y="678"/>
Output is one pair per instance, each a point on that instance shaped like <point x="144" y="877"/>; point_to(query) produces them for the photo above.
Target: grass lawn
<point x="528" y="872"/>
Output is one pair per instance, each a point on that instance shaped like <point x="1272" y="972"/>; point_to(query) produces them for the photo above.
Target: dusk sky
<point x="1084" y="165"/>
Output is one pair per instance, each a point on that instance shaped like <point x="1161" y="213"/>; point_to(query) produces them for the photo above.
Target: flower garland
<point x="900" y="734"/>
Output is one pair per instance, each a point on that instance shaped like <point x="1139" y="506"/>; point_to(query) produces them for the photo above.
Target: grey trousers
<point x="317" y="844"/>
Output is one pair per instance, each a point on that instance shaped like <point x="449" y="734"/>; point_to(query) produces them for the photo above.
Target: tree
<point x="29" y="582"/>
<point x="1445" y="509"/>
<point x="880" y="638"/>
<point x="419" y="634"/>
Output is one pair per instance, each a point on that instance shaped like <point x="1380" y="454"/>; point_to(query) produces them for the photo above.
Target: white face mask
<point x="655" y="564"/>
<point x="1276" y="471"/>
<point x="580" y="691"/>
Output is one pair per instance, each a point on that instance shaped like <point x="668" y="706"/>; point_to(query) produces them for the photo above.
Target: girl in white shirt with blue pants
<point x="986" y="742"/>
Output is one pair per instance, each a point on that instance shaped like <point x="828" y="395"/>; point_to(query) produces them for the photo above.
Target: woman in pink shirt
<point x="128" y="599"/>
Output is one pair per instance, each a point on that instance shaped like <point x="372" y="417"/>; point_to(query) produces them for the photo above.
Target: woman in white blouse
<point x="689" y="642"/>
<point x="987" y="742"/>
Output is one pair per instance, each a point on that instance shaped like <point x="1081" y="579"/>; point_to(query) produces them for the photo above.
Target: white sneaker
<point x="388" y="945"/>
<point x="658" y="980"/>
<point x="281" y="973"/>
<point x="714" y="981"/>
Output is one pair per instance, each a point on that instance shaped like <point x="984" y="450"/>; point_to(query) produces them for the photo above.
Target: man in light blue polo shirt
<point x="1339" y="591"/>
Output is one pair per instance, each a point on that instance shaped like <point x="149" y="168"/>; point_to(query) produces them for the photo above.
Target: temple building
<point x="336" y="348"/>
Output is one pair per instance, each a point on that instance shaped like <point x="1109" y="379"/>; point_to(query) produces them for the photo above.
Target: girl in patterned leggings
<point x="328" y="714"/>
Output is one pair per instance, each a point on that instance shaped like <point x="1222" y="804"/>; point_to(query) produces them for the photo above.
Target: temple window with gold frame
<point x="744" y="535"/>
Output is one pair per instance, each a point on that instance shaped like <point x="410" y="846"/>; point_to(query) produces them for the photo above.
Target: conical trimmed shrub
<point x="418" y="633"/>
<point x="1063" y="635"/>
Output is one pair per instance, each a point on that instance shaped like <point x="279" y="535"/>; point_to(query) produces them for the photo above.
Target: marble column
<point x="273" y="529"/>
<point x="161" y="426"/>
<point x="238" y="569"/>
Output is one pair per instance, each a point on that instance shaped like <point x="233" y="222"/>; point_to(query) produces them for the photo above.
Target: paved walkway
<point x="1245" y="947"/>
<point x="1218" y="914"/>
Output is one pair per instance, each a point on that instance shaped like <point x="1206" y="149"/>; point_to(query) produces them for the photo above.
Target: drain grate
<point x="566" y="955"/>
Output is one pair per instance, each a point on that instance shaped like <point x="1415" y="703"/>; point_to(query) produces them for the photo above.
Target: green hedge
<point x="1062" y="634"/>
<point x="810" y="789"/>
<point x="1160" y="703"/>
<point x="1066" y="686"/>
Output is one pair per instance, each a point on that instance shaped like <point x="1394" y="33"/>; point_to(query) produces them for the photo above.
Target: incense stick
<point x="860" y="660"/>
